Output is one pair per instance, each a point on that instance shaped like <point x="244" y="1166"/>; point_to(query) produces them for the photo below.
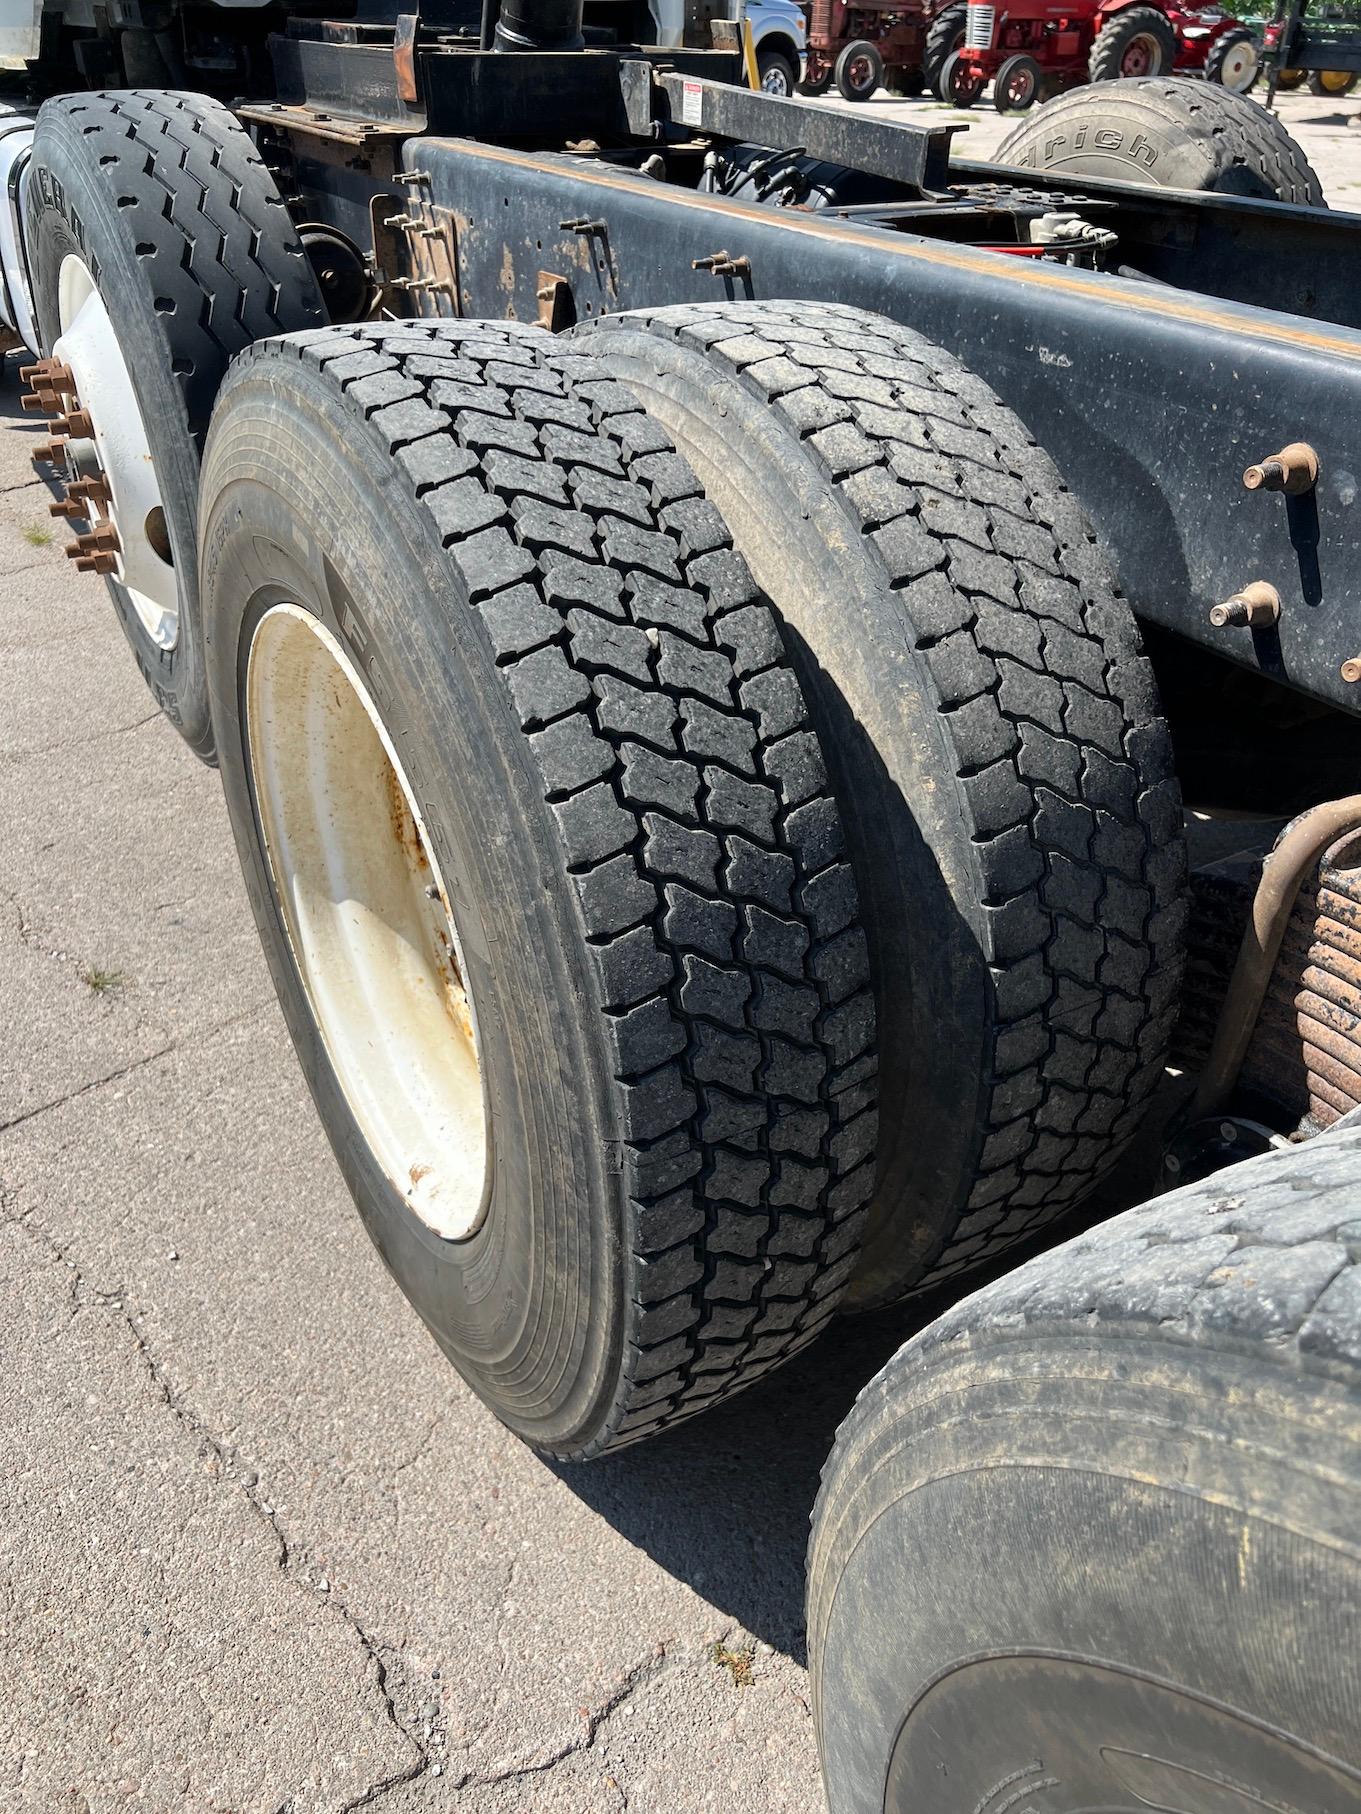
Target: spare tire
<point x="1168" y="134"/>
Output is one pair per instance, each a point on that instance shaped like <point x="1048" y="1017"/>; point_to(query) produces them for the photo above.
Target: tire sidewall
<point x="949" y="1532"/>
<point x="1133" y="139"/>
<point x="70" y="210"/>
<point x="359" y="555"/>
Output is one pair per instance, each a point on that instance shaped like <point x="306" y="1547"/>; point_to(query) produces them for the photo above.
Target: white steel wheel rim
<point x="88" y="344"/>
<point x="775" y="81"/>
<point x="1239" y="67"/>
<point x="367" y="916"/>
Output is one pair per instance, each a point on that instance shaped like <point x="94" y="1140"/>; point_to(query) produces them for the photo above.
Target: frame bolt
<point x="1254" y="607"/>
<point x="722" y="264"/>
<point x="1293" y="469"/>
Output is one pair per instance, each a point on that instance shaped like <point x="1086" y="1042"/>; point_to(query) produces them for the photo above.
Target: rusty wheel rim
<point x="1141" y="56"/>
<point x="368" y="920"/>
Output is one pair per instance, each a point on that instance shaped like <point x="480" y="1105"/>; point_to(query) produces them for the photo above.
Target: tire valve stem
<point x="1253" y="608"/>
<point x="1294" y="469"/>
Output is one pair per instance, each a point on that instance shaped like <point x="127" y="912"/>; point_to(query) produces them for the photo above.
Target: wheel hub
<point x="74" y="458"/>
<point x="100" y="454"/>
<point x="368" y="919"/>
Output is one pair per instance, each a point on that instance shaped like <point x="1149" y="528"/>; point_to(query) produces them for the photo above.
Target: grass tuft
<point x="102" y="982"/>
<point x="736" y="1662"/>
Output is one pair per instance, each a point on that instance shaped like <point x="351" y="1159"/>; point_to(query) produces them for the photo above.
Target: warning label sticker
<point x="692" y="103"/>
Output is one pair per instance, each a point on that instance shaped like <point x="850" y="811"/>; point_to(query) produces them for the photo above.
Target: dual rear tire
<point x="923" y="763"/>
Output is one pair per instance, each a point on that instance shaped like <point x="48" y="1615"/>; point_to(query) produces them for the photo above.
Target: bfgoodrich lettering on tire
<point x="592" y="831"/>
<point x="1168" y="133"/>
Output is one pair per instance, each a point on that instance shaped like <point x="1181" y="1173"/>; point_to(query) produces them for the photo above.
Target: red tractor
<point x="1032" y="49"/>
<point x="859" y="45"/>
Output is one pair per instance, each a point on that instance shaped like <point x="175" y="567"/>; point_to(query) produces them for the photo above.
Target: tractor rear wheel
<point x="1170" y="134"/>
<point x="546" y="866"/>
<point x="992" y="731"/>
<point x="1091" y="1539"/>
<point x="944" y="36"/>
<point x="1139" y="41"/>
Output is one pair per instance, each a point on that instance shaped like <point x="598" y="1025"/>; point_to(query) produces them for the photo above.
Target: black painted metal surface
<point x="1151" y="400"/>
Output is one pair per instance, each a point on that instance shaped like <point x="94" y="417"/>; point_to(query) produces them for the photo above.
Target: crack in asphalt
<point x="293" y="1557"/>
<point x="135" y="1064"/>
<point x="75" y="743"/>
<point x="652" y="1667"/>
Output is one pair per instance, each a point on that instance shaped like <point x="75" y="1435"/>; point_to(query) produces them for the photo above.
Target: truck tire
<point x="153" y="213"/>
<point x="1091" y="1540"/>
<point x="859" y="71"/>
<point x="779" y="73"/>
<point x="944" y="36"/>
<point x="1234" y="61"/>
<point x="569" y="743"/>
<point x="1169" y="134"/>
<point x="1138" y="42"/>
<point x="991" y="728"/>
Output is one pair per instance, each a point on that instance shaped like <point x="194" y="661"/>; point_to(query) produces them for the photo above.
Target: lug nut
<point x="94" y="491"/>
<point x="47" y="453"/>
<point x="66" y="507"/>
<point x="1293" y="469"/>
<point x="1254" y="607"/>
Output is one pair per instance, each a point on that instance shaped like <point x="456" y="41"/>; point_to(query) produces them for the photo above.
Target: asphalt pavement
<point x="260" y="1549"/>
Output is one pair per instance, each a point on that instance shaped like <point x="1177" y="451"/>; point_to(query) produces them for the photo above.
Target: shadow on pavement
<point x="723" y="1502"/>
